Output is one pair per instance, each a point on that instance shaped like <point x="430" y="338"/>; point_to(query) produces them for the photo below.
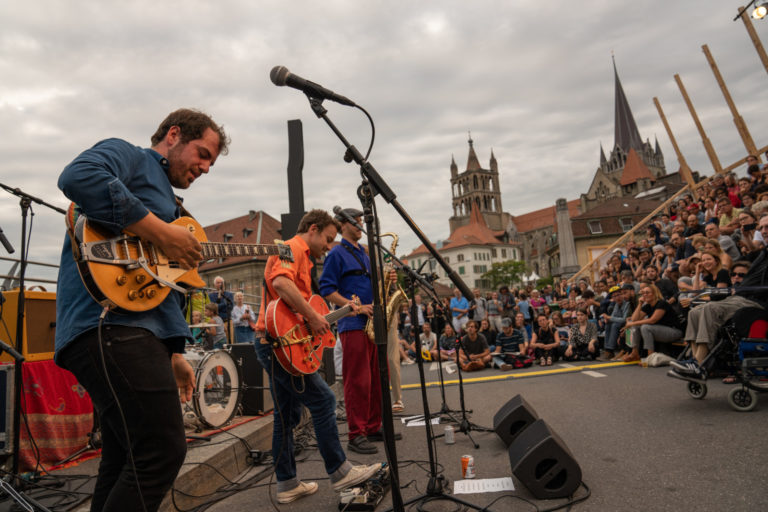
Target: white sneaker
<point x="356" y="475"/>
<point x="301" y="490"/>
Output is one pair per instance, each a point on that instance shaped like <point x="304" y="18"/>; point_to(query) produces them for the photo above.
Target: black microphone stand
<point x="372" y="184"/>
<point x="25" y="203"/>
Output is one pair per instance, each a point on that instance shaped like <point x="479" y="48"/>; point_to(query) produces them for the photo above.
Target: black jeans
<point x="140" y="372"/>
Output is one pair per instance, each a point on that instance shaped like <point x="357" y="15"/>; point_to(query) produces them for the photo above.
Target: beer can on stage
<point x="449" y="438"/>
<point x="467" y="466"/>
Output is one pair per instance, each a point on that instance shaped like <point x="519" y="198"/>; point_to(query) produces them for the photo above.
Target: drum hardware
<point x="216" y="398"/>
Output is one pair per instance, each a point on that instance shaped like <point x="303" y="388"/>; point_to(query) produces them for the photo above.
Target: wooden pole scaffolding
<point x="684" y="169"/>
<point x="704" y="139"/>
<point x="741" y="126"/>
<point x="755" y="40"/>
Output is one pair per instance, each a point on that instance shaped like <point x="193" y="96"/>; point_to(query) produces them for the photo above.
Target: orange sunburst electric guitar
<point x="297" y="349"/>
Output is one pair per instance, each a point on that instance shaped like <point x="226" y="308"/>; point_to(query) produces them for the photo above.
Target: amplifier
<point x="39" y="324"/>
<point x="256" y="398"/>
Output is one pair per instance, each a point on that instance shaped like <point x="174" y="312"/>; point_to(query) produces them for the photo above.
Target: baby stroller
<point x="741" y="348"/>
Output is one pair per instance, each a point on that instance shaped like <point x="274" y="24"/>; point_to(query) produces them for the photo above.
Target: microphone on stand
<point x="281" y="76"/>
<point x="338" y="210"/>
<point x="5" y="242"/>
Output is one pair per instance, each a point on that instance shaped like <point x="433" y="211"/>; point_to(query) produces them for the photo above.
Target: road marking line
<point x="523" y="375"/>
<point x="594" y="374"/>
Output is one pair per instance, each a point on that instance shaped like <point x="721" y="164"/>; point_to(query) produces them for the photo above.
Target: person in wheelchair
<point x="705" y="320"/>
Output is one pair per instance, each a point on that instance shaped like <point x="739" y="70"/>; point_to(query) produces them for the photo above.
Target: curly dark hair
<point x="193" y="124"/>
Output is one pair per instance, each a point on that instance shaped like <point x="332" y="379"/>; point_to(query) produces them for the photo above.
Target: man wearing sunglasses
<point x="705" y="320"/>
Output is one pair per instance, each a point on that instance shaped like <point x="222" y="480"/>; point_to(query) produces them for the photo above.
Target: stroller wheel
<point x="697" y="390"/>
<point x="742" y="399"/>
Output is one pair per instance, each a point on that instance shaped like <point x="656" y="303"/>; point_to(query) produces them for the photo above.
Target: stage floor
<point x="642" y="443"/>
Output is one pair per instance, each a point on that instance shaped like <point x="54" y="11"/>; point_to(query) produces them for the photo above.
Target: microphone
<point x="281" y="76"/>
<point x="5" y="242"/>
<point x="338" y="210"/>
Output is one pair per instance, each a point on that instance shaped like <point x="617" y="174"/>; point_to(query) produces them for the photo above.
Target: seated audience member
<point x="713" y="246"/>
<point x="545" y="342"/>
<point x="428" y="340"/>
<point x="750" y="239"/>
<point x="667" y="287"/>
<point x="692" y="227"/>
<point x="728" y="215"/>
<point x="197" y="332"/>
<point x="446" y="347"/>
<point x="582" y="342"/>
<point x="683" y="247"/>
<point x="739" y="272"/>
<point x="615" y="319"/>
<point x="520" y="324"/>
<point x="474" y="353"/>
<point x="487" y="330"/>
<point x="710" y="272"/>
<point x="557" y="322"/>
<point x="214" y="337"/>
<point x="712" y="230"/>
<point x="509" y="341"/>
<point x="653" y="320"/>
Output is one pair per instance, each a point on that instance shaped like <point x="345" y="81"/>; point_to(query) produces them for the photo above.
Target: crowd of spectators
<point x="637" y="304"/>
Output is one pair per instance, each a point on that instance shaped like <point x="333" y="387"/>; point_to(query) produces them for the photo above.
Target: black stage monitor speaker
<point x="513" y="418"/>
<point x="542" y="462"/>
<point x="256" y="398"/>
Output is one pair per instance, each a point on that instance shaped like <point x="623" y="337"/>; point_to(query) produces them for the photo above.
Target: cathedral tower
<point x="479" y="187"/>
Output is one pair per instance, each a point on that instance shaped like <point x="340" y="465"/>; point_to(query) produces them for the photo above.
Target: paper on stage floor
<point x="483" y="485"/>
<point x="418" y="421"/>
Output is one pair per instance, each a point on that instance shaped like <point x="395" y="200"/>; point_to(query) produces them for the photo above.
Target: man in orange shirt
<point x="292" y="282"/>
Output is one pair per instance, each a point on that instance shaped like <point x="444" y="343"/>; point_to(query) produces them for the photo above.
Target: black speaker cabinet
<point x="542" y="462"/>
<point x="513" y="418"/>
<point x="256" y="398"/>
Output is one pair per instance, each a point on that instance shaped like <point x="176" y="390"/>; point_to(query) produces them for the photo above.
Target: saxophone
<point x="393" y="300"/>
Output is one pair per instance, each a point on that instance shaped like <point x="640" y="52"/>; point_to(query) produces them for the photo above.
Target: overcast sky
<point x="532" y="80"/>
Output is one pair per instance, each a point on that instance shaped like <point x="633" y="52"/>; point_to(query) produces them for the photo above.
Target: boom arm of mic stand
<point x="380" y="186"/>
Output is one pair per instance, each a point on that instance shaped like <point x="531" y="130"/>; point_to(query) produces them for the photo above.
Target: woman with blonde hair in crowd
<point x="710" y="272"/>
<point x="712" y="245"/>
<point x="653" y="320"/>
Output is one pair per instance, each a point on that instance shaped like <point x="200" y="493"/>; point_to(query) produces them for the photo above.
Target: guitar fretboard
<point x="227" y="250"/>
<point x="333" y="316"/>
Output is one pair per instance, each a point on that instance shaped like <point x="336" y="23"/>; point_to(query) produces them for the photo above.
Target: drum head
<point x="217" y="389"/>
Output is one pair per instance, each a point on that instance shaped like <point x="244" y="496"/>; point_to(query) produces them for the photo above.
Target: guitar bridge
<point x="113" y="251"/>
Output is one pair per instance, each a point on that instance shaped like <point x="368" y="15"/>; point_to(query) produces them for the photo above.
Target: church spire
<point x="454" y="167"/>
<point x="494" y="164"/>
<point x="626" y="135"/>
<point x="602" y="155"/>
<point x="473" y="164"/>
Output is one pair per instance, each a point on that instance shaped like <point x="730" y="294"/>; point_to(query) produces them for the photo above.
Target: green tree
<point x="505" y="273"/>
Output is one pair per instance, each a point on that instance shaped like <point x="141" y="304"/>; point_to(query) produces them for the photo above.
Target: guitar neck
<point x="227" y="250"/>
<point x="334" y="316"/>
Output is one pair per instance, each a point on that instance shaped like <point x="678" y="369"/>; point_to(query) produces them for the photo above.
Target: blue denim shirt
<point x="116" y="184"/>
<point x="336" y="278"/>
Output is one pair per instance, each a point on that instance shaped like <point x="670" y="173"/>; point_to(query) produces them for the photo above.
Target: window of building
<point x="483" y="284"/>
<point x="595" y="227"/>
<point x="626" y="224"/>
<point x="493" y="253"/>
<point x="461" y="270"/>
<point x="503" y="253"/>
<point x="479" y="269"/>
<point x="460" y="257"/>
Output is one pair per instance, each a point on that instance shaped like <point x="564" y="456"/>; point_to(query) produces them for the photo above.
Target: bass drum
<point x="217" y="386"/>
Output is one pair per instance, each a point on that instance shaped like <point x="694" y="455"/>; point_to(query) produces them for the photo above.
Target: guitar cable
<point x="119" y="406"/>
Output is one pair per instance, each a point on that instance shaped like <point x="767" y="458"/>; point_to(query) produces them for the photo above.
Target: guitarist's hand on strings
<point x="319" y="324"/>
<point x="177" y="242"/>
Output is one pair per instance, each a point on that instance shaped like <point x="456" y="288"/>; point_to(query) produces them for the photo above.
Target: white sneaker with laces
<point x="301" y="490"/>
<point x="356" y="475"/>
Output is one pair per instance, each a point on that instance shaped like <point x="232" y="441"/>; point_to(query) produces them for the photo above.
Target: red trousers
<point x="362" y="387"/>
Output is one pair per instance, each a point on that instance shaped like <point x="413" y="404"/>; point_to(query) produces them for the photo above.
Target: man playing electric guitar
<point x="292" y="283"/>
<point x="124" y="187"/>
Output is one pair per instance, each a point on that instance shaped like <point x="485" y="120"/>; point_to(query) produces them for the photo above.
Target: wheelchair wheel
<point x="697" y="390"/>
<point x="742" y="399"/>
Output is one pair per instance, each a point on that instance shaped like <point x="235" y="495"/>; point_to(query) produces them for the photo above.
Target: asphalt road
<point x="642" y="443"/>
